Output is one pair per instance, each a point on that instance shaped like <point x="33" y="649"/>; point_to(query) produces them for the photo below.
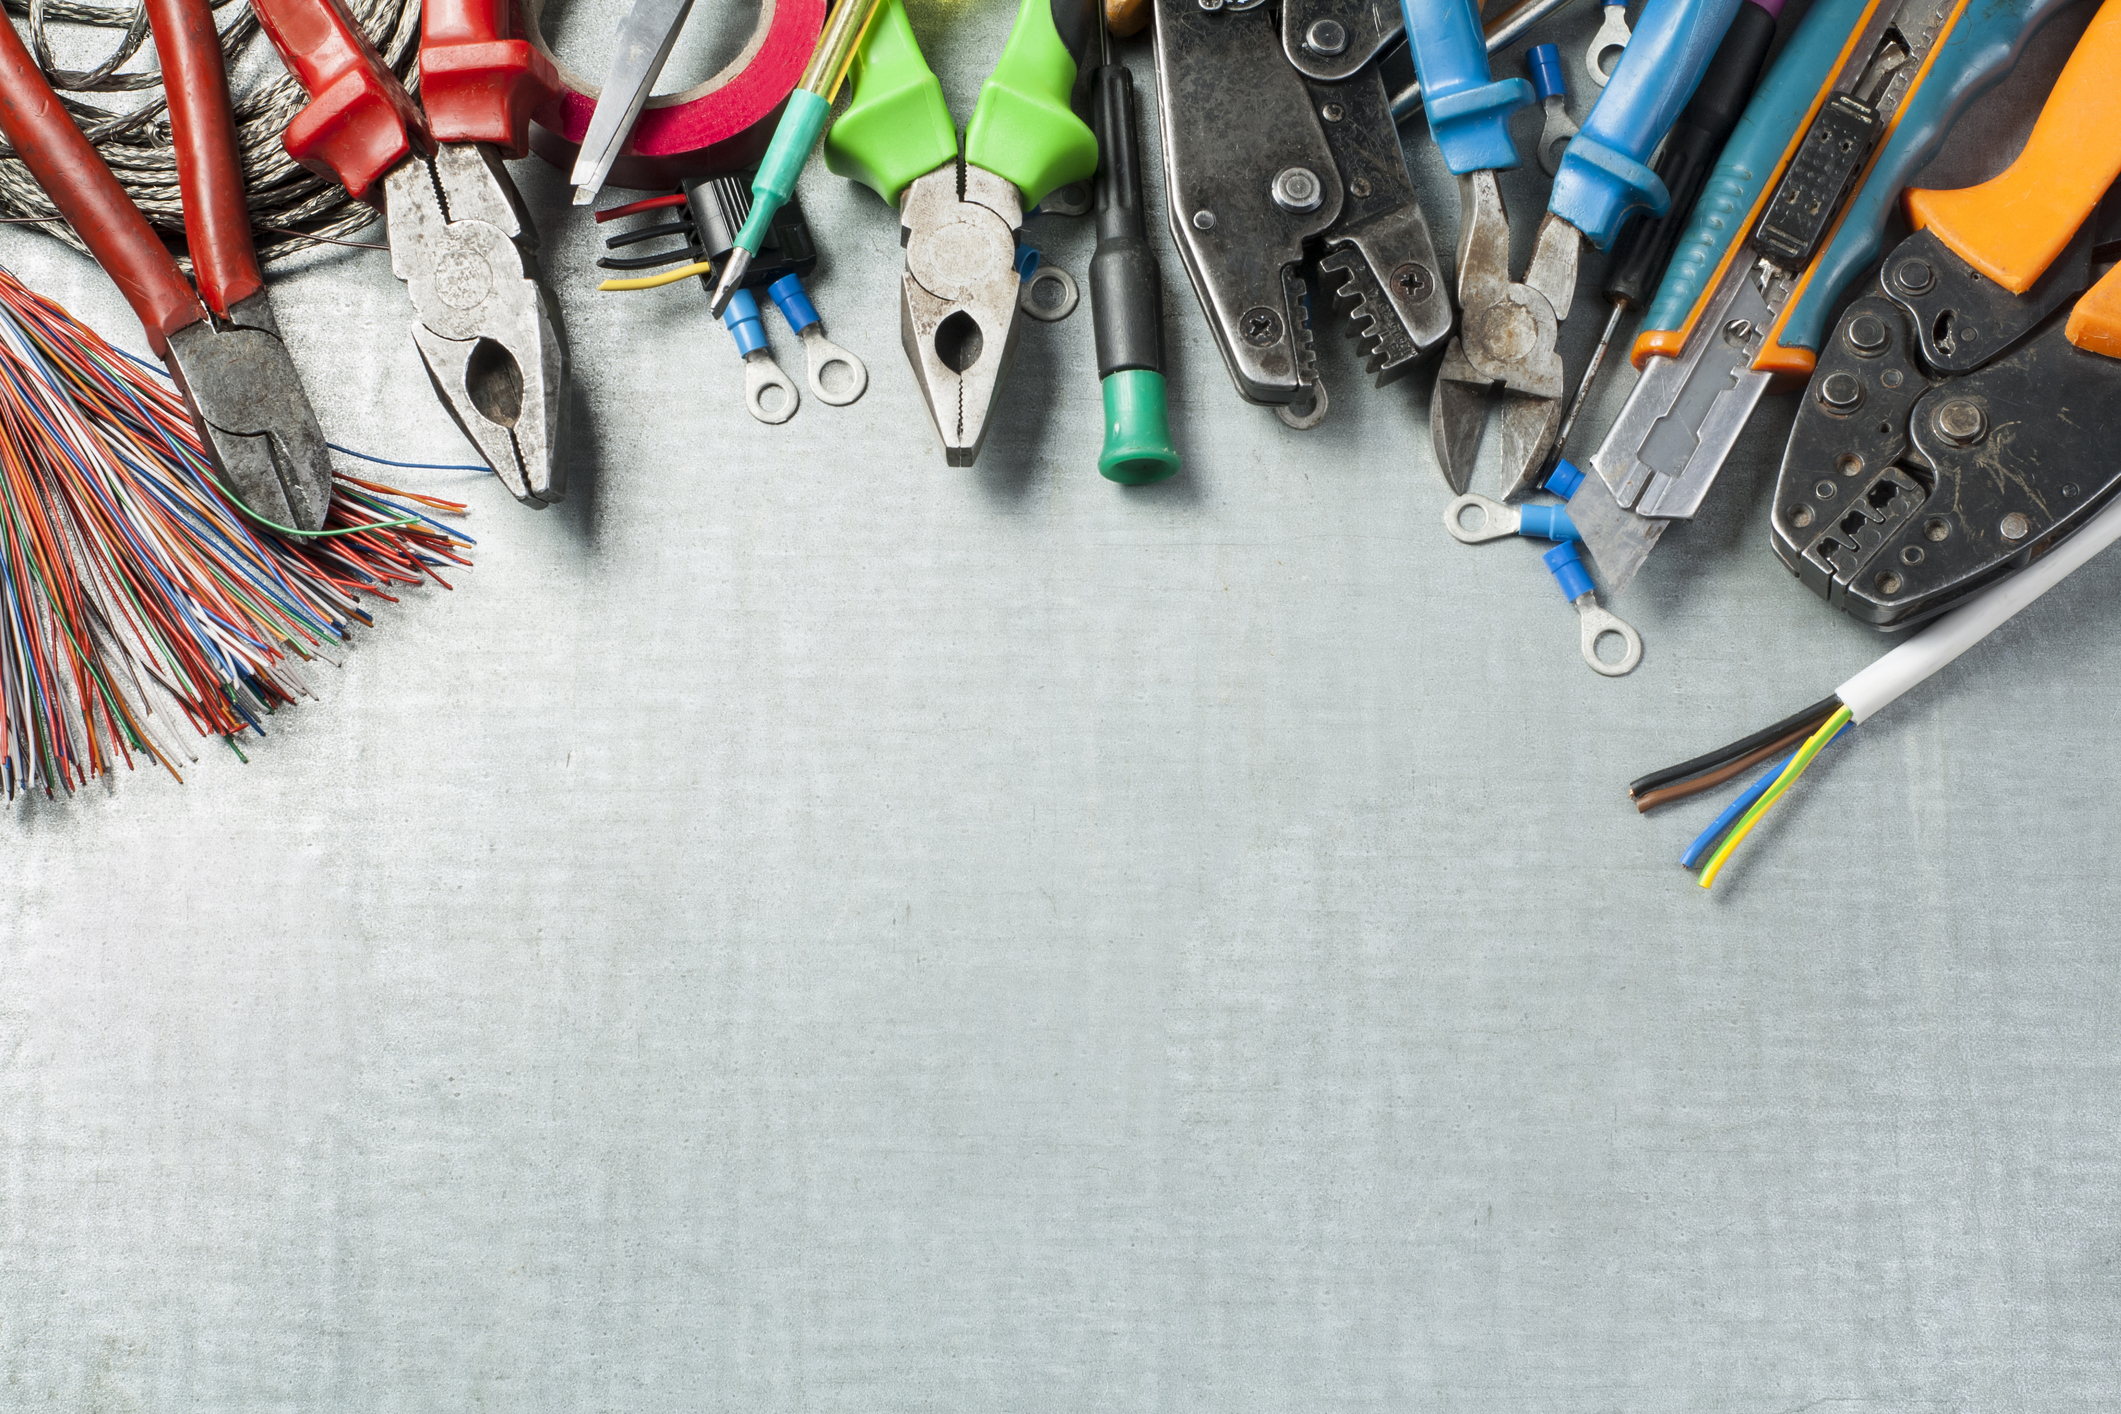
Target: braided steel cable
<point x="289" y="204"/>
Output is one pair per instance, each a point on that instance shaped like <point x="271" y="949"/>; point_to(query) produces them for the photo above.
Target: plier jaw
<point x="1506" y="342"/>
<point x="254" y="418"/>
<point x="958" y="307"/>
<point x="488" y="332"/>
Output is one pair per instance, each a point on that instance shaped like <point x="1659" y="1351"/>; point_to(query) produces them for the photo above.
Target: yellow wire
<point x="1788" y="778"/>
<point x="668" y="277"/>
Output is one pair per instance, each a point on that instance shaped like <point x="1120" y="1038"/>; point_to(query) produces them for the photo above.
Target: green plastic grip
<point x="793" y="137"/>
<point x="897" y="128"/>
<point x="1023" y="127"/>
<point x="1138" y="446"/>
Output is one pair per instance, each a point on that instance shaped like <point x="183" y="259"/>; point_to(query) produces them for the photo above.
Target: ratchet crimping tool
<point x="1857" y="102"/>
<point x="1958" y="425"/>
<point x="1281" y="158"/>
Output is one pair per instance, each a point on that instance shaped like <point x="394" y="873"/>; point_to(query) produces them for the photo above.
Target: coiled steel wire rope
<point x="290" y="207"/>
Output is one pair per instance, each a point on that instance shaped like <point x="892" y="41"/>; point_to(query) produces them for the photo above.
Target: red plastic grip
<point x="360" y="122"/>
<point x="479" y="79"/>
<point x="82" y="187"/>
<point x="203" y="125"/>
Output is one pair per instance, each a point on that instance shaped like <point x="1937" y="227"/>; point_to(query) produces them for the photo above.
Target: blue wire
<point x="1706" y="840"/>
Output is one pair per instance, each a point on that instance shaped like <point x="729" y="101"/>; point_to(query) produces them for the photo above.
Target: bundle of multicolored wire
<point x="1796" y="741"/>
<point x="132" y="593"/>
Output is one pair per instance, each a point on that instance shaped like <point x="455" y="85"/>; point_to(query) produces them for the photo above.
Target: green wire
<point x="245" y="507"/>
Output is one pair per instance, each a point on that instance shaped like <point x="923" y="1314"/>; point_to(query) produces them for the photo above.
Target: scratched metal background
<point x="801" y="927"/>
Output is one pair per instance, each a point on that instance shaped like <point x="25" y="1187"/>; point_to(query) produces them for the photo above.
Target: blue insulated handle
<point x="1604" y="176"/>
<point x="1774" y="117"/>
<point x="794" y="302"/>
<point x="1547" y="80"/>
<point x="1983" y="46"/>
<point x="741" y="319"/>
<point x="1469" y="112"/>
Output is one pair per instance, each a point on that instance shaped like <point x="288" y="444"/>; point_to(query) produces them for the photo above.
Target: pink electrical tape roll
<point x="722" y="125"/>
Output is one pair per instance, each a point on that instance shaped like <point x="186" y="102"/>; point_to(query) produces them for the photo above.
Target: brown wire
<point x="1708" y="780"/>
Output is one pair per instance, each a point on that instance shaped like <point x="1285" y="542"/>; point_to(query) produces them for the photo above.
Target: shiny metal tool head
<point x="254" y="416"/>
<point x="958" y="306"/>
<point x="488" y="329"/>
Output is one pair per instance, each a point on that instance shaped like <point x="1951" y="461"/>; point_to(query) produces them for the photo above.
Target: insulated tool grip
<point x="203" y="127"/>
<point x="1981" y="44"/>
<point x="73" y="174"/>
<point x="1023" y="128"/>
<point x="2012" y="227"/>
<point x="1469" y="111"/>
<point x="896" y="127"/>
<point x="2095" y="324"/>
<point x="479" y="80"/>
<point x="1644" y="246"/>
<point x="1127" y="297"/>
<point x="359" y="122"/>
<point x="1603" y="179"/>
<point x="1768" y="132"/>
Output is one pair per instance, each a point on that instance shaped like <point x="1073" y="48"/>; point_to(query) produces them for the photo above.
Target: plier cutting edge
<point x="253" y="416"/>
<point x="460" y="237"/>
<point x="1509" y="328"/>
<point x="959" y="297"/>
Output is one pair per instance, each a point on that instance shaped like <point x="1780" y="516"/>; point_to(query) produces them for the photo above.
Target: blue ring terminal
<point x="1564" y="479"/>
<point x="1547" y="80"/>
<point x="1469" y="111"/>
<point x="1026" y="261"/>
<point x="794" y="302"/>
<point x="1546" y="523"/>
<point x="1566" y="565"/>
<point x="741" y="319"/>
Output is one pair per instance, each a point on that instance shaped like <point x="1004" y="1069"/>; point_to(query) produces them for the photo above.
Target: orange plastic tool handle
<point x="2012" y="227"/>
<point x="203" y="124"/>
<point x="2095" y="324"/>
<point x="359" y="122"/>
<point x="82" y="187"/>
<point x="479" y="81"/>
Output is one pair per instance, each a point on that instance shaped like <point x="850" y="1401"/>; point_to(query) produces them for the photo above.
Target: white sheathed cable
<point x="1885" y="680"/>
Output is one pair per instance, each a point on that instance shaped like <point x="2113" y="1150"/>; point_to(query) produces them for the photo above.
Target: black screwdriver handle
<point x="1126" y="293"/>
<point x="1704" y="126"/>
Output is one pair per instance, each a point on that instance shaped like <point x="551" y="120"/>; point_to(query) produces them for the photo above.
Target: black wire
<point x="649" y="233"/>
<point x="1709" y="761"/>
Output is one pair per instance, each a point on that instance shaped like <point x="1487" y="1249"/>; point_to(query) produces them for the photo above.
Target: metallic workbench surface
<point x="801" y="927"/>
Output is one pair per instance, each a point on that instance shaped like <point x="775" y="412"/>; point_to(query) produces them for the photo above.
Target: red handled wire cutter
<point x="246" y="399"/>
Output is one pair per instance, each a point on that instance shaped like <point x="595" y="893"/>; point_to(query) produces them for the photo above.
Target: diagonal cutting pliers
<point x="253" y="416"/>
<point x="959" y="221"/>
<point x="460" y="237"/>
<point x="1509" y="328"/>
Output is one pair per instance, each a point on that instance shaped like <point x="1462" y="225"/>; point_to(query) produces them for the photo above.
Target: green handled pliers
<point x="959" y="222"/>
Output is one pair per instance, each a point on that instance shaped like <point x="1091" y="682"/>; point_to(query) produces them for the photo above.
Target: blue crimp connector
<point x="794" y="302"/>
<point x="1546" y="523"/>
<point x="1026" y="261"/>
<point x="1469" y="111"/>
<point x="1547" y="80"/>
<point x="1566" y="565"/>
<point x="741" y="319"/>
<point x="1564" y="479"/>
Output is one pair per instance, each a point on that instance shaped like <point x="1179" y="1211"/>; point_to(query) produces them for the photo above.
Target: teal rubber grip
<point x="1604" y="176"/>
<point x="1469" y="111"/>
<point x="802" y="122"/>
<point x="1982" y="48"/>
<point x="1720" y="218"/>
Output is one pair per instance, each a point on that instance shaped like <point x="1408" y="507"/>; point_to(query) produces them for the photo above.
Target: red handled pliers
<point x="245" y="397"/>
<point x="460" y="237"/>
